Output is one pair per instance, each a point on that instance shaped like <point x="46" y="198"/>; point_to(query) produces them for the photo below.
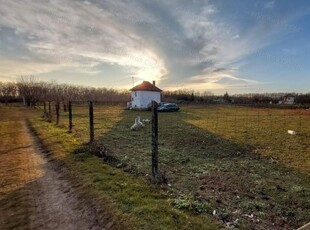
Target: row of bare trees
<point x="33" y="92"/>
<point x="52" y="95"/>
<point x="8" y="91"/>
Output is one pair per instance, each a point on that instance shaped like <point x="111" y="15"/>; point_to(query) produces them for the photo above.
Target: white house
<point x="142" y="95"/>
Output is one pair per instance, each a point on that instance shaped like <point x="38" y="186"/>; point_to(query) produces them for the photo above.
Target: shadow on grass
<point x="205" y="172"/>
<point x="22" y="208"/>
<point x="14" y="208"/>
<point x="245" y="188"/>
<point x="134" y="203"/>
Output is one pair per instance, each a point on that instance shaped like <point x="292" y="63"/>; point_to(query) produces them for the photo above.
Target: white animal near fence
<point x="138" y="123"/>
<point x="135" y="125"/>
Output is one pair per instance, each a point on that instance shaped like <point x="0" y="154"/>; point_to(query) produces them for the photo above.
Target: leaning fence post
<point x="70" y="116"/>
<point x="91" y="122"/>
<point x="155" y="141"/>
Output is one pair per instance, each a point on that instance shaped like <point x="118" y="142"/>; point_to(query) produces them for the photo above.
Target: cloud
<point x="269" y="5"/>
<point x="217" y="77"/>
<point x="77" y="35"/>
<point x="218" y="81"/>
<point x="173" y="42"/>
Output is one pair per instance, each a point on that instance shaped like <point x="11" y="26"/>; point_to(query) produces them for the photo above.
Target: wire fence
<point x="282" y="134"/>
<point x="236" y="160"/>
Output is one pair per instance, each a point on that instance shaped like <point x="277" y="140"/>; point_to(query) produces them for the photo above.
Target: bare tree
<point x="8" y="90"/>
<point x="29" y="89"/>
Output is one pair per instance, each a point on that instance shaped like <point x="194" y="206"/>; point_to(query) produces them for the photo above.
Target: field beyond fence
<point x="239" y="163"/>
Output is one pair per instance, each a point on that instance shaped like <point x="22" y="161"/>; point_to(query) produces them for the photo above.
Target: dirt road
<point x="33" y="193"/>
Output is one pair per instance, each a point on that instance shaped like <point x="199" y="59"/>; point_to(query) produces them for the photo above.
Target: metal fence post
<point x="155" y="141"/>
<point x="91" y="122"/>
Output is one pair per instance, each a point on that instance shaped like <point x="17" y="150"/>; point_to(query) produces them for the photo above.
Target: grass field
<point x="239" y="161"/>
<point x="121" y="200"/>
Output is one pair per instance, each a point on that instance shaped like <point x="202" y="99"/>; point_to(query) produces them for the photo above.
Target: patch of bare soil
<point x="51" y="201"/>
<point x="238" y="206"/>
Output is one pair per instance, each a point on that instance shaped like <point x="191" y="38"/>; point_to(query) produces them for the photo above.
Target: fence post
<point x="64" y="106"/>
<point x="44" y="110"/>
<point x="155" y="141"/>
<point x="49" y="112"/>
<point x="57" y="107"/>
<point x="91" y="122"/>
<point x="70" y="117"/>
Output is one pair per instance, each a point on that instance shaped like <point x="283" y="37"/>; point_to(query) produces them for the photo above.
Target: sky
<point x="203" y="45"/>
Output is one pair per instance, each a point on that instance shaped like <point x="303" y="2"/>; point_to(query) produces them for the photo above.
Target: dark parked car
<point x="168" y="107"/>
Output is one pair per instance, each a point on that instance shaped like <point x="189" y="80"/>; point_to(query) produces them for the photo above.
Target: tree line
<point x="207" y="97"/>
<point x="32" y="92"/>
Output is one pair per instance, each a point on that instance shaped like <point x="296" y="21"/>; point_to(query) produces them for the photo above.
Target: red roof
<point x="146" y="86"/>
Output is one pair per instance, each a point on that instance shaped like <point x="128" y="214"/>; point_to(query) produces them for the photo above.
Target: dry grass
<point x="15" y="172"/>
<point x="236" y="160"/>
<point x="262" y="129"/>
<point x="122" y="200"/>
<point x="126" y="201"/>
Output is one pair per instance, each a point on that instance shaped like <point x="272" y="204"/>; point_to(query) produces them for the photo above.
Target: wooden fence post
<point x="44" y="110"/>
<point x="49" y="112"/>
<point x="155" y="141"/>
<point x="57" y="107"/>
<point x="91" y="122"/>
<point x="64" y="106"/>
<point x="70" y="116"/>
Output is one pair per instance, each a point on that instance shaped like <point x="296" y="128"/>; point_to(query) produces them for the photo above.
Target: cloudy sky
<point x="207" y="45"/>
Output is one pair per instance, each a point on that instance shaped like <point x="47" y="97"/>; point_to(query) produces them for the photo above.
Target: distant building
<point x="142" y="95"/>
<point x="289" y="99"/>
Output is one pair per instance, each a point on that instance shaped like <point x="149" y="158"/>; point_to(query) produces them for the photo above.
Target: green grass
<point x="236" y="160"/>
<point x="265" y="130"/>
<point x="239" y="161"/>
<point x="262" y="129"/>
<point x="129" y="202"/>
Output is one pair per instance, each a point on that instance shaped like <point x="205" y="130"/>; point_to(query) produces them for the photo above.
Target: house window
<point x="135" y="94"/>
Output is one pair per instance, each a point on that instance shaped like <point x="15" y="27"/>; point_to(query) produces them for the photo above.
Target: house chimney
<point x="154" y="83"/>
